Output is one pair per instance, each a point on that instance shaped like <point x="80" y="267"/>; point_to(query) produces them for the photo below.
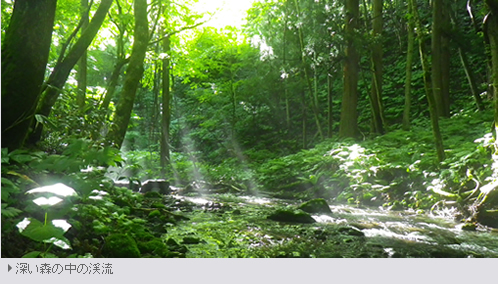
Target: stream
<point x="225" y="225"/>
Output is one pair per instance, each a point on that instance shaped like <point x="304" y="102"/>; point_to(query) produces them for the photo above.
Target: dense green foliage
<point x="254" y="111"/>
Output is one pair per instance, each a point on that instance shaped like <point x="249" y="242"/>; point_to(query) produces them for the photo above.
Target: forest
<point x="301" y="129"/>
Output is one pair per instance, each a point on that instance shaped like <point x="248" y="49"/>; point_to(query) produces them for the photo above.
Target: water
<point x="398" y="233"/>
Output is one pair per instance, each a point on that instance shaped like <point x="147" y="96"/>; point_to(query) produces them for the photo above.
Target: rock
<point x="132" y="184"/>
<point x="318" y="205"/>
<point x="351" y="231"/>
<point x="290" y="215"/>
<point x="158" y="185"/>
<point x="120" y="246"/>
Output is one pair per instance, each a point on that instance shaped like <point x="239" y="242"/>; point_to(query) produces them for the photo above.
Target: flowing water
<point x="396" y="233"/>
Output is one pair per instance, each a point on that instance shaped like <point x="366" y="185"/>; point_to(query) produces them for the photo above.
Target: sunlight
<point x="226" y="12"/>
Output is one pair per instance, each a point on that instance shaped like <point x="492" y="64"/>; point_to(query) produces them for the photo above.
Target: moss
<point x="155" y="213"/>
<point x="120" y="246"/>
<point x="155" y="247"/>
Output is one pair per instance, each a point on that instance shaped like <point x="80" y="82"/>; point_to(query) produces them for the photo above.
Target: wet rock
<point x="469" y="227"/>
<point x="133" y="185"/>
<point x="351" y="231"/>
<point x="318" y="205"/>
<point x="292" y="216"/>
<point x="159" y="185"/>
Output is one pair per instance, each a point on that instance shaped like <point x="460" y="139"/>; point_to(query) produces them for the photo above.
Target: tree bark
<point x="25" y="54"/>
<point x="409" y="63"/>
<point x="134" y="73"/>
<point x="349" y="115"/>
<point x="492" y="33"/>
<point x="82" y="64"/>
<point x="166" y="111"/>
<point x="430" y="95"/>
<point x="437" y="78"/>
<point x="445" y="58"/>
<point x="61" y="71"/>
<point x="377" y="54"/>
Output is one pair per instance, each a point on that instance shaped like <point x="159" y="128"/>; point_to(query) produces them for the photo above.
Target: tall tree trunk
<point x="349" y="114"/>
<point x="445" y="57"/>
<point x="436" y="75"/>
<point x="430" y="95"/>
<point x="25" y="51"/>
<point x="61" y="71"/>
<point x="134" y="73"/>
<point x="492" y="33"/>
<point x="377" y="54"/>
<point x="82" y="64"/>
<point x="409" y="63"/>
<point x="313" y="96"/>
<point x="329" y="107"/>
<point x="166" y="111"/>
<point x="469" y="73"/>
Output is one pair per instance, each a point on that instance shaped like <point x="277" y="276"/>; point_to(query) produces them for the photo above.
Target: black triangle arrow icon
<point x="9" y="268"/>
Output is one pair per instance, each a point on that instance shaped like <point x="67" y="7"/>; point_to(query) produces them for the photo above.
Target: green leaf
<point x="9" y="212"/>
<point x="42" y="233"/>
<point x="33" y="254"/>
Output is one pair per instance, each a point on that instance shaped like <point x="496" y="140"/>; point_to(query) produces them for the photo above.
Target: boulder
<point x="157" y="185"/>
<point x="292" y="216"/>
<point x="318" y="205"/>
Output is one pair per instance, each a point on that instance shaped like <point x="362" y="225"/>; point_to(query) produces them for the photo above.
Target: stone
<point x="158" y="185"/>
<point x="318" y="205"/>
<point x="292" y="216"/>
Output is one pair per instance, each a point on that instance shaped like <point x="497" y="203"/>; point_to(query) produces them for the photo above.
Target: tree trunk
<point x="166" y="111"/>
<point x="437" y="6"/>
<point x="25" y="54"/>
<point x="82" y="64"/>
<point x="349" y="115"/>
<point x="134" y="73"/>
<point x="313" y="95"/>
<point x="430" y="95"/>
<point x="445" y="58"/>
<point x="61" y="71"/>
<point x="492" y="33"/>
<point x="377" y="54"/>
<point x="329" y="107"/>
<point x="409" y="63"/>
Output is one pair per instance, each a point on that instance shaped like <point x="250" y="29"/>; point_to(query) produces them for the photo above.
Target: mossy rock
<point x="154" y="247"/>
<point x="318" y="205"/>
<point x="120" y="246"/>
<point x="292" y="216"/>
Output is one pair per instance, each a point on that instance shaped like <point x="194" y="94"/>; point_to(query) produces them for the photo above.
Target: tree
<point x="492" y="34"/>
<point x="61" y="71"/>
<point x="409" y="63"/>
<point x="434" y="116"/>
<point x="82" y="65"/>
<point x="134" y="73"/>
<point x="349" y="116"/>
<point x="24" y="58"/>
<point x="377" y="54"/>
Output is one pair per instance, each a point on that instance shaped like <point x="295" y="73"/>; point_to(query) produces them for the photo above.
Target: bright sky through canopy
<point x="228" y="12"/>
